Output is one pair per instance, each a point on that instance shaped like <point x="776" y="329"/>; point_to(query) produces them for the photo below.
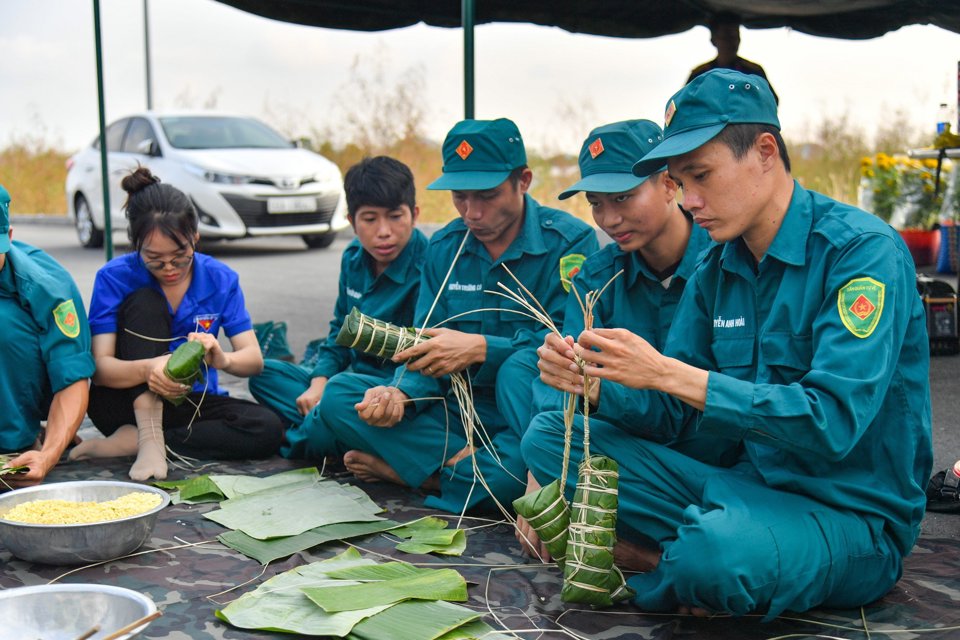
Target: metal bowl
<point x="62" y="544"/>
<point x="67" y="611"/>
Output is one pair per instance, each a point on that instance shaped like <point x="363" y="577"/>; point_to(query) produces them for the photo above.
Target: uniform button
<point x="548" y="222"/>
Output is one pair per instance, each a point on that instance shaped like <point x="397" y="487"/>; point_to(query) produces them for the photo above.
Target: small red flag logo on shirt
<point x="464" y="150"/>
<point x="596" y="148"/>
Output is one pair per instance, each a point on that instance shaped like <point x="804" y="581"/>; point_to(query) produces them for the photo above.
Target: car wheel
<point x="87" y="231"/>
<point x="320" y="240"/>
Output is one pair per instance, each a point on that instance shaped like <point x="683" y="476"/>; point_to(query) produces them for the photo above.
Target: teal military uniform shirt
<point x="391" y="297"/>
<point x="534" y="257"/>
<point x="818" y="360"/>
<point x="46" y="346"/>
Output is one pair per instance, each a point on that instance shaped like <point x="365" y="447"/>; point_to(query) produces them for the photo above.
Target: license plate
<point x="301" y="204"/>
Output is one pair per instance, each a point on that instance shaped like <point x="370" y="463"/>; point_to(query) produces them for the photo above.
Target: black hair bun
<point x="138" y="179"/>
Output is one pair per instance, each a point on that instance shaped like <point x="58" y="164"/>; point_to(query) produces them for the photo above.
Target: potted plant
<point x="902" y="192"/>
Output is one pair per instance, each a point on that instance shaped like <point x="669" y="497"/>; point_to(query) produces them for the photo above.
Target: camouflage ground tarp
<point x="521" y="594"/>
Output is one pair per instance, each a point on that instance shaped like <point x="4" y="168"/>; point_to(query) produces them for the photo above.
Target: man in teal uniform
<point x="44" y="356"/>
<point x="401" y="430"/>
<point x="379" y="275"/>
<point x="801" y="333"/>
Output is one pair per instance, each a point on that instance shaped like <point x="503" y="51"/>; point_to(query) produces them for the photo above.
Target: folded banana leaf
<point x="375" y="337"/>
<point x="430" y="535"/>
<point x="589" y="575"/>
<point x="547" y="512"/>
<point x="4" y="469"/>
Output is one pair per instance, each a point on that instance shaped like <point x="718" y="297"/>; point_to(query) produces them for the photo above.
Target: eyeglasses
<point x="177" y="263"/>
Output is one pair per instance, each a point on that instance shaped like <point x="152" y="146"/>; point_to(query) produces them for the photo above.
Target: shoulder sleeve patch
<point x="570" y="265"/>
<point x="860" y="305"/>
<point x="65" y="315"/>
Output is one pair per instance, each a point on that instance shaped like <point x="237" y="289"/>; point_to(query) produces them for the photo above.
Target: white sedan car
<point x="244" y="178"/>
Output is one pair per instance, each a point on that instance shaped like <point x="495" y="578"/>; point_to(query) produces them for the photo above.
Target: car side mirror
<point x="148" y="147"/>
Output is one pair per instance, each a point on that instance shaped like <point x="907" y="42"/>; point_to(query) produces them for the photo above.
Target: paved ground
<point x="283" y="280"/>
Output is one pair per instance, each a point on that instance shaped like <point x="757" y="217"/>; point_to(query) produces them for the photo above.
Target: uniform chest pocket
<point x="465" y="305"/>
<point x="786" y="355"/>
<point x="733" y="355"/>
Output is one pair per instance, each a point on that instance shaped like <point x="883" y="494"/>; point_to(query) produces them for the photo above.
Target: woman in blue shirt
<point x="144" y="305"/>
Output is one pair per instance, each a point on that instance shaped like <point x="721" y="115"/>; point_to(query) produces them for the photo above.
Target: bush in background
<point x="34" y="171"/>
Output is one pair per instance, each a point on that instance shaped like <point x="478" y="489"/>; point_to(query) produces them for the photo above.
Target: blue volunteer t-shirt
<point x="213" y="301"/>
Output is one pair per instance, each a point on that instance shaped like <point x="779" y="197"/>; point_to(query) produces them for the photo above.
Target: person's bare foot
<point x="528" y="538"/>
<point x="370" y="468"/>
<point x="466" y="452"/>
<point x="122" y="442"/>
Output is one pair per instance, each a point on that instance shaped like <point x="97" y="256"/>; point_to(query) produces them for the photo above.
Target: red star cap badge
<point x="464" y="150"/>
<point x="596" y="148"/>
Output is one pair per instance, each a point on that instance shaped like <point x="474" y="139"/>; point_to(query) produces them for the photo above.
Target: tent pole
<point x="468" y="16"/>
<point x="104" y="178"/>
<point x="146" y="56"/>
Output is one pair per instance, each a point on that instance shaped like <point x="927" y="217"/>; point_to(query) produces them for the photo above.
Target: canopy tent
<point x="852" y="19"/>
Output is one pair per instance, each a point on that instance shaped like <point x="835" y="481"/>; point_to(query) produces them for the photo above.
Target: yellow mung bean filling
<point x="68" y="512"/>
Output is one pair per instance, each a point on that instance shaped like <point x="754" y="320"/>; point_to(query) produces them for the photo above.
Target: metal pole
<point x="146" y="55"/>
<point x="468" y="15"/>
<point x="104" y="178"/>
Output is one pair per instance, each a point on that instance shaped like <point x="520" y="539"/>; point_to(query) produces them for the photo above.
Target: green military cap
<point x="608" y="155"/>
<point x="4" y="220"/>
<point x="480" y="154"/>
<point x="701" y="109"/>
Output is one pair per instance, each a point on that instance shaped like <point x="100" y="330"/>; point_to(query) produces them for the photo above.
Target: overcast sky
<point x="554" y="84"/>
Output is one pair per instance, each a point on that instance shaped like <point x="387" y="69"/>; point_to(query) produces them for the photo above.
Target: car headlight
<point x="218" y="177"/>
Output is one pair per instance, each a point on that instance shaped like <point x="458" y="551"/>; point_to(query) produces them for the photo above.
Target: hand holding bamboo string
<point x="159" y="382"/>
<point x="560" y="368"/>
<point x="447" y="351"/>
<point x="624" y="357"/>
<point x="382" y="406"/>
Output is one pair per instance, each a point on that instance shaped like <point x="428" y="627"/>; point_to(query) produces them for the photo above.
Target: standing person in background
<point x="379" y="275"/>
<point x="45" y="361"/>
<point x="144" y="305"/>
<point x="396" y="428"/>
<point x="725" y="36"/>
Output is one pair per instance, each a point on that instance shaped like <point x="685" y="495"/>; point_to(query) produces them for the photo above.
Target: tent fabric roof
<point x="850" y="19"/>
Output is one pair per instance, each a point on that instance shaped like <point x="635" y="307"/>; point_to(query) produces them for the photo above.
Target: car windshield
<point x="218" y="132"/>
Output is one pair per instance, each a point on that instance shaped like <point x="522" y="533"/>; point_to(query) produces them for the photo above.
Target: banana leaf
<point x="4" y="469"/>
<point x="195" y="490"/>
<point x="266" y="551"/>
<point x="381" y="571"/>
<point x="430" y="535"/>
<point x="414" y="620"/>
<point x="548" y="513"/>
<point x="286" y="511"/>
<point x="589" y="575"/>
<point x="233" y="486"/>
<point x="428" y="584"/>
<point x="279" y="605"/>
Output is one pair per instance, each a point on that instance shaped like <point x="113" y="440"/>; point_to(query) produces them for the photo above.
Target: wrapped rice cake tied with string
<point x="589" y="575"/>
<point x="185" y="366"/>
<point x="375" y="337"/>
<point x="546" y="510"/>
